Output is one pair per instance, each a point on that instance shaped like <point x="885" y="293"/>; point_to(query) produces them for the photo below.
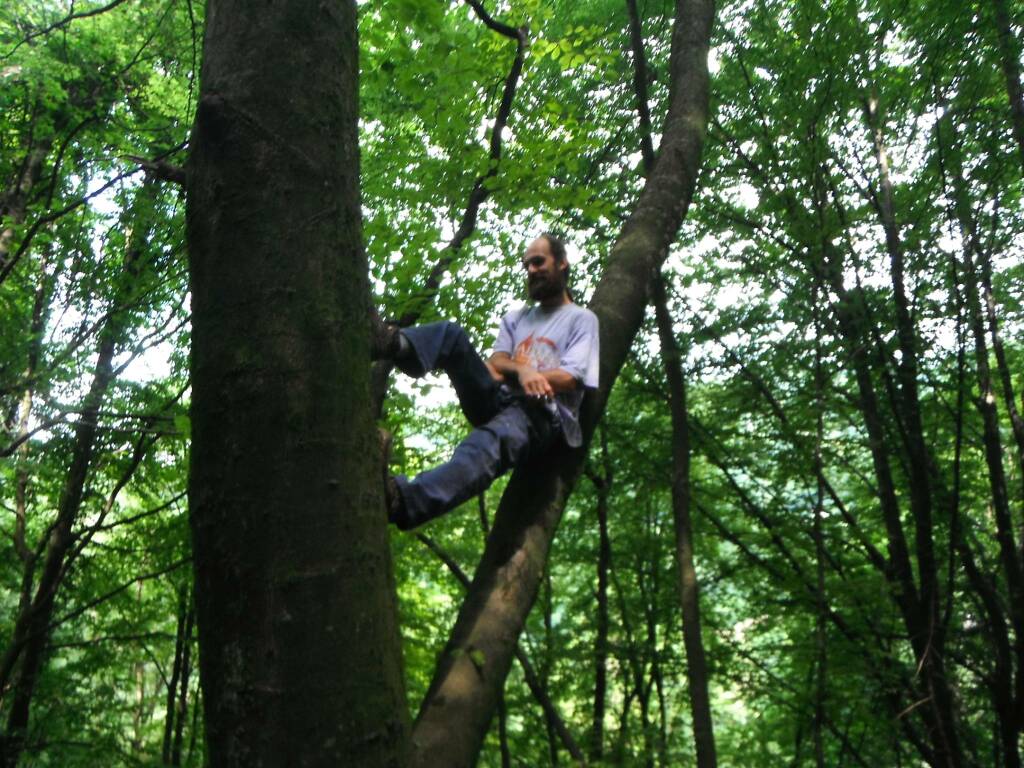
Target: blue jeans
<point x="508" y="427"/>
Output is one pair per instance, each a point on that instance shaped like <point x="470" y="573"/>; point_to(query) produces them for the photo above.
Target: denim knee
<point x="454" y="336"/>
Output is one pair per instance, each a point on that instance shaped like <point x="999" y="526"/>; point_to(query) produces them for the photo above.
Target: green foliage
<point x="790" y="181"/>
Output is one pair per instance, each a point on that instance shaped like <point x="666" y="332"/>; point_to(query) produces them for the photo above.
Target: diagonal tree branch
<point x="529" y="673"/>
<point x="481" y="187"/>
<point x="462" y="698"/>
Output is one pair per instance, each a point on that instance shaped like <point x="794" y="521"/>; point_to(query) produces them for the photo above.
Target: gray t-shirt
<point x="563" y="337"/>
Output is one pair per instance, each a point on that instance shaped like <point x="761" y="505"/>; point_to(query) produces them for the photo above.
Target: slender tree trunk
<point x="298" y="637"/>
<point x="1001" y="676"/>
<point x="644" y="700"/>
<point x="170" y="711"/>
<point x="1011" y="712"/>
<point x="622" y="736"/>
<point x="918" y="608"/>
<point x="138" y="715"/>
<point x="659" y="737"/>
<point x="24" y="657"/>
<point x="992" y="439"/>
<point x="908" y="414"/>
<point x="602" y="485"/>
<point x="1017" y="429"/>
<point x="1011" y="557"/>
<point x="546" y="660"/>
<point x="15" y="201"/>
<point x="28" y="644"/>
<point x="462" y="696"/>
<point x="820" y="634"/>
<point x="1009" y="59"/>
<point x="983" y="263"/>
<point x="689" y="591"/>
<point x="633" y="670"/>
<point x="25" y="554"/>
<point x="194" y="730"/>
<point x="506" y="753"/>
<point x="636" y="43"/>
<point x="186" y="674"/>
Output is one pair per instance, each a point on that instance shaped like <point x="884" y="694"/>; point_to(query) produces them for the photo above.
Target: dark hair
<point x="557" y="245"/>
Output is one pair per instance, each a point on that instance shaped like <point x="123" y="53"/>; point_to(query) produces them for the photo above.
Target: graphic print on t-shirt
<point x="538" y="351"/>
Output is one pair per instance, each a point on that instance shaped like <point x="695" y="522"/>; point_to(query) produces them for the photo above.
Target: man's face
<point x="545" y="278"/>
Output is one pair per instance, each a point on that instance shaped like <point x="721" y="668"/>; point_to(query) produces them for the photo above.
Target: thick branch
<point x="162" y="170"/>
<point x="462" y="698"/>
<point x="529" y="673"/>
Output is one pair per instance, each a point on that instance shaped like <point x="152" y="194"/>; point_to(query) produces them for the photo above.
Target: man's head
<point x="547" y="269"/>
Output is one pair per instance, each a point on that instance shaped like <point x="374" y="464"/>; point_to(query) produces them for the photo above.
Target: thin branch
<point x="486" y="18"/>
<point x="481" y="190"/>
<point x="53" y="216"/>
<point x="142" y="515"/>
<point x="115" y="592"/>
<point x="63" y="23"/>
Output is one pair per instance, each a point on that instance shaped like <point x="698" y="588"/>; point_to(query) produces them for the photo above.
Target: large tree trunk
<point x="299" y="646"/>
<point x="463" y="694"/>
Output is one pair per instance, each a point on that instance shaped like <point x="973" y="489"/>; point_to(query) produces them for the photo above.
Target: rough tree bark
<point x="299" y="646"/>
<point x="463" y="694"/>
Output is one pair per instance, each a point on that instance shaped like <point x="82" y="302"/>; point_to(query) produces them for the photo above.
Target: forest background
<point x="844" y="297"/>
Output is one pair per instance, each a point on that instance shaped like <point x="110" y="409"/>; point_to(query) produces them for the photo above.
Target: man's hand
<point x="554" y="379"/>
<point x="497" y="375"/>
<point x="535" y="383"/>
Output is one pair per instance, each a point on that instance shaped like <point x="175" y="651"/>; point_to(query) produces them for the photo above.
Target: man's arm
<point x="533" y="382"/>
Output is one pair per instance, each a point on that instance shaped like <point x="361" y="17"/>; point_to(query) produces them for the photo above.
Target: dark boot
<point x="393" y="501"/>
<point x="385" y="339"/>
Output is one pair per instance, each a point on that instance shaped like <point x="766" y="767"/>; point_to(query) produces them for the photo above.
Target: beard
<point x="545" y="287"/>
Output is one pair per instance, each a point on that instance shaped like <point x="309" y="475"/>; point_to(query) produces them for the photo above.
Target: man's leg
<point x="488" y="452"/>
<point x="444" y="346"/>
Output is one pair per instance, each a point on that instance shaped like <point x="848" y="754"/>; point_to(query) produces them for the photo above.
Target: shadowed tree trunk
<point x="463" y="695"/>
<point x="820" y="631"/>
<point x="186" y="673"/>
<point x="180" y="639"/>
<point x="1009" y="60"/>
<point x="299" y="646"/>
<point x="602" y="485"/>
<point x="976" y="288"/>
<point x="15" y="201"/>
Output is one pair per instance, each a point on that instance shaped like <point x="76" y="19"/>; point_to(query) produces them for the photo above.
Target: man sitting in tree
<point x="519" y="402"/>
